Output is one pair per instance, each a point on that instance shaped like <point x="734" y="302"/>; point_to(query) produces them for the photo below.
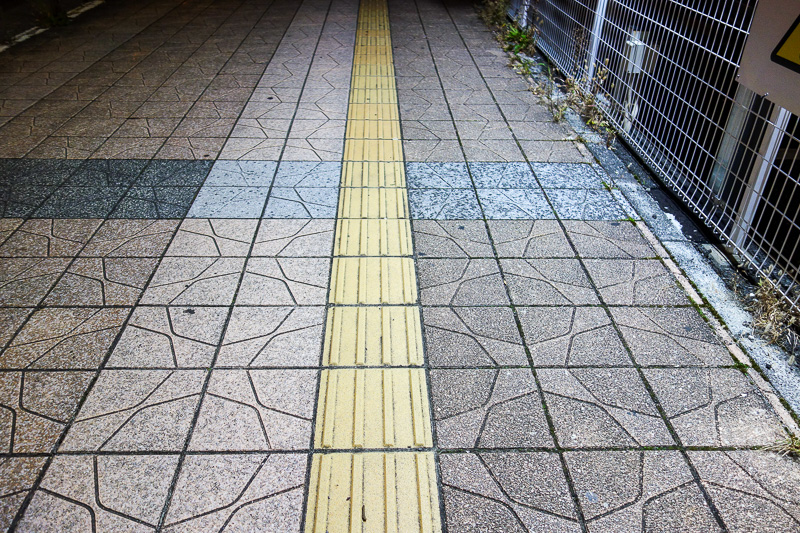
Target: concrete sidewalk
<point x="325" y="265"/>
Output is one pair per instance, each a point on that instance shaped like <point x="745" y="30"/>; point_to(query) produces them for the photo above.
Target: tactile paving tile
<point x="371" y="237"/>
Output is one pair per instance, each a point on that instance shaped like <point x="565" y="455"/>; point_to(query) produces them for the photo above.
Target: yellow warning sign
<point x="787" y="53"/>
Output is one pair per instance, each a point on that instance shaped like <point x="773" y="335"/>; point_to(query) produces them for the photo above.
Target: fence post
<point x="594" y="43"/>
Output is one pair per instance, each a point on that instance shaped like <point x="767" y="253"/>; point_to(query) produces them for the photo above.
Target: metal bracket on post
<point x="594" y="43"/>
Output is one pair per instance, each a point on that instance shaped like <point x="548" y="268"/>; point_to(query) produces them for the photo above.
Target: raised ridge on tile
<point x="373" y="281"/>
<point x="373" y="174"/>
<point x="371" y="237"/>
<point x="374" y="203"/>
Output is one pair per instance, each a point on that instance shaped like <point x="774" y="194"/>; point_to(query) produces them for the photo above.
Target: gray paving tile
<point x="10" y="321"/>
<point x="472" y="337"/>
<point x="107" y="173"/>
<point x="268" y="488"/>
<point x="714" y="407"/>
<point x="462" y="282"/>
<point x="499" y="150"/>
<point x="131" y="238"/>
<point x="104" y="492"/>
<point x="64" y="338"/>
<point x="37" y="407"/>
<point x="515" y="204"/>
<point x="245" y="410"/>
<point x="272" y="337"/>
<point x="81" y="202"/>
<point x="586" y="204"/>
<point x="194" y="281"/>
<point x="602" y="407"/>
<point x="488" y="408"/>
<point x="241" y="173"/>
<point x="155" y="202"/>
<point x="570" y="176"/>
<point x="502" y="176"/>
<point x="432" y="151"/>
<point x="674" y="337"/>
<point x="752" y="490"/>
<point x="638" y="491"/>
<point x="213" y="238"/>
<point x="308" y="174"/>
<point x="506" y="491"/>
<point x="49" y="238"/>
<point x="229" y="202"/>
<point x="529" y="239"/>
<point x="548" y="282"/>
<point x="612" y="240"/>
<point x="102" y="281"/>
<point x="136" y="410"/>
<point x="23" y="201"/>
<point x="460" y="238"/>
<point x="169" y="337"/>
<point x="305" y="202"/>
<point x="18" y="475"/>
<point x="437" y="176"/>
<point x="25" y="281"/>
<point x="444" y="204"/>
<point x="635" y="282"/>
<point x="34" y="172"/>
<point x="174" y="173"/>
<point x="284" y="281"/>
<point x="571" y="336"/>
<point x="550" y="151"/>
<point x="294" y="238"/>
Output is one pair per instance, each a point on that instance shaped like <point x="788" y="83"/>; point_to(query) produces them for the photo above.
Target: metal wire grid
<point x="665" y="76"/>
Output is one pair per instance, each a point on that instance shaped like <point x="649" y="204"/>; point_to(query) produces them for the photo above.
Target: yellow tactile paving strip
<point x="373" y="468"/>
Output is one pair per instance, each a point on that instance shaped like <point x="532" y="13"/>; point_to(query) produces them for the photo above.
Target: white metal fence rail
<point x="670" y="91"/>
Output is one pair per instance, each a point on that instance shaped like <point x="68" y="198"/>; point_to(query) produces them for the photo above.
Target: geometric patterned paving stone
<point x="499" y="492"/>
<point x="714" y="407"/>
<point x="65" y="338"/>
<point x="10" y="321"/>
<point x="529" y="239"/>
<point x="294" y="238"/>
<point x="169" y="337"/>
<point x="241" y="174"/>
<point x="472" y="337"/>
<point x="131" y="238"/>
<point x="569" y="176"/>
<point x="194" y="281"/>
<point x="102" y="281"/>
<point x="213" y="238"/>
<point x="256" y="410"/>
<point x="444" y="204"/>
<point x="20" y="201"/>
<point x="107" y="173"/>
<point x="229" y="202"/>
<point x="677" y="337"/>
<point x="488" y="408"/>
<point x="155" y="202"/>
<point x="607" y="407"/>
<point x="17" y="476"/>
<point x="35" y="407"/>
<point x="647" y="491"/>
<point x="608" y="240"/>
<point x="238" y="493"/>
<point x="547" y="282"/>
<point x="25" y="281"/>
<point x="571" y="336"/>
<point x="136" y="410"/>
<point x="174" y="173"/>
<point x="273" y="337"/>
<point x="49" y="238"/>
<point x="81" y="202"/>
<point x="588" y="204"/>
<point x="502" y="176"/>
<point x="462" y="238"/>
<point x="635" y="282"/>
<point x="308" y="174"/>
<point x="284" y="281"/>
<point x="505" y="204"/>
<point x="7" y="227"/>
<point x="753" y="490"/>
<point x="460" y="282"/>
<point x="302" y="202"/>
<point x="437" y="176"/>
<point x="101" y="493"/>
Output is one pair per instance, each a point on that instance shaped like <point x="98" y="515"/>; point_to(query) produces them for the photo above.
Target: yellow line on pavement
<point x="373" y="394"/>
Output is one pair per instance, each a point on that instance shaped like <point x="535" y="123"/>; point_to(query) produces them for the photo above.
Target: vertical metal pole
<point x="758" y="179"/>
<point x="597" y="30"/>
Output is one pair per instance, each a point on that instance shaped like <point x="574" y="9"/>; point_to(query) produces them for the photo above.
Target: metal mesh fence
<point x="664" y="74"/>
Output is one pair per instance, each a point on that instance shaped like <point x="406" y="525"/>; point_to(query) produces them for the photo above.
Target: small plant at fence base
<point x="49" y="13"/>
